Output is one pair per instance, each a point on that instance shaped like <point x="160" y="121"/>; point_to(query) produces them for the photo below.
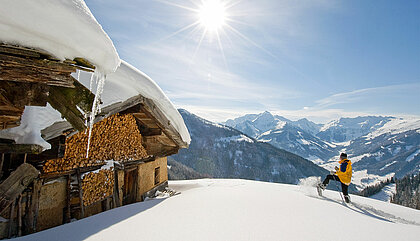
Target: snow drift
<point x="244" y="210"/>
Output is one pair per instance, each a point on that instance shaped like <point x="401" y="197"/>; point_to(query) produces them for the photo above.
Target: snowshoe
<point x="347" y="198"/>
<point x="320" y="187"/>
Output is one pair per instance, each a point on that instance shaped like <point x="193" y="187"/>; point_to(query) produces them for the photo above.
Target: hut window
<point x="157" y="175"/>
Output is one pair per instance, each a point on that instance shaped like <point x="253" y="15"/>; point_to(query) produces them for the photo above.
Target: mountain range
<point x="378" y="146"/>
<point x="221" y="151"/>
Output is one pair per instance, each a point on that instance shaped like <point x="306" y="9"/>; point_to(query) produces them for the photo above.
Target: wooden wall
<point x="52" y="202"/>
<point x="147" y="175"/>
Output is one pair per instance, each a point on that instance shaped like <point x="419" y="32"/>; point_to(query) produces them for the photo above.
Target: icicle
<point x="78" y="74"/>
<point x="100" y="78"/>
<point x="91" y="81"/>
<point x="92" y="77"/>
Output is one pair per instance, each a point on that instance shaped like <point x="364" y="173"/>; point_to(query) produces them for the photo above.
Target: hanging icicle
<point x="100" y="81"/>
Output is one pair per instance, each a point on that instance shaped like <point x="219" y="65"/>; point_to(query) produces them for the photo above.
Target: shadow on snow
<point x="84" y="228"/>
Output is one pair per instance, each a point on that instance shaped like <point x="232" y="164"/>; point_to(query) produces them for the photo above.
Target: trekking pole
<point x="336" y="186"/>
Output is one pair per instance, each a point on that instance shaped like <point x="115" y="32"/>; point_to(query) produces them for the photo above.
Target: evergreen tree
<point x="408" y="191"/>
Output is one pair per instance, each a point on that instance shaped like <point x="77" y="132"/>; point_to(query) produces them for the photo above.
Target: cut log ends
<point x="97" y="186"/>
<point x="114" y="138"/>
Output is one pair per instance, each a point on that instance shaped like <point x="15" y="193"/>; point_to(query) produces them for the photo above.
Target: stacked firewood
<point x="97" y="185"/>
<point x="114" y="138"/>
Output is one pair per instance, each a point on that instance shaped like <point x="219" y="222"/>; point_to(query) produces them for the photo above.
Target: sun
<point x="212" y="15"/>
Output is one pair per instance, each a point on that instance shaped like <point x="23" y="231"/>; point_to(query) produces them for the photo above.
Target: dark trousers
<point x="344" y="187"/>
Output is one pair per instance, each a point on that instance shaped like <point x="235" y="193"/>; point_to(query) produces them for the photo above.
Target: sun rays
<point x="214" y="21"/>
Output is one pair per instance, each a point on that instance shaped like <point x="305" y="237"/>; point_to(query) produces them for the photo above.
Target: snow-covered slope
<point x="294" y="136"/>
<point x="223" y="152"/>
<point x="386" y="193"/>
<point x="65" y="28"/>
<point x="379" y="147"/>
<point x="346" y="129"/>
<point x="244" y="210"/>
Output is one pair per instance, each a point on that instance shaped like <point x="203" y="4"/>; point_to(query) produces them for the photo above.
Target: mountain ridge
<point x="378" y="145"/>
<point x="224" y="152"/>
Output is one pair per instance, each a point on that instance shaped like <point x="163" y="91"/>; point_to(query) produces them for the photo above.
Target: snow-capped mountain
<point x="256" y="124"/>
<point x="392" y="148"/>
<point x="294" y="139"/>
<point x="347" y="129"/>
<point x="230" y="209"/>
<point x="298" y="137"/>
<point x="222" y="151"/>
<point x="379" y="147"/>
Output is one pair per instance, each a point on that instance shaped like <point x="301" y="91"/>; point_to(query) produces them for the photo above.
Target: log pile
<point x="97" y="185"/>
<point x="114" y="138"/>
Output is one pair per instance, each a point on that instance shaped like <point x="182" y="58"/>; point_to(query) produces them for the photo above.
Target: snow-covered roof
<point x="64" y="28"/>
<point x="128" y="82"/>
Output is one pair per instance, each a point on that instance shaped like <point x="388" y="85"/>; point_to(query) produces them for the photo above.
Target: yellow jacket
<point x="345" y="171"/>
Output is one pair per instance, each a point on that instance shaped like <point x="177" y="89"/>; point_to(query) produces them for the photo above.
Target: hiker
<point x="342" y="174"/>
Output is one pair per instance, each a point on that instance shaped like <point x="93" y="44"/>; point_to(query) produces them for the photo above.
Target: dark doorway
<point x="130" y="186"/>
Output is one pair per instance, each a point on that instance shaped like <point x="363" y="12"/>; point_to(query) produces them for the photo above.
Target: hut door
<point x="130" y="186"/>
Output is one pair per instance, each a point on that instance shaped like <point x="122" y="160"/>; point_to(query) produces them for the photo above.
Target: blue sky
<point x="318" y="59"/>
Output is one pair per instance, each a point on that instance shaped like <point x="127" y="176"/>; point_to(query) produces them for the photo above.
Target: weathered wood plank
<point x="19" y="216"/>
<point x="11" y="50"/>
<point x="35" y="205"/>
<point x="28" y="75"/>
<point x="11" y="219"/>
<point x="40" y="64"/>
<point x="16" y="183"/>
<point x="24" y="51"/>
<point x="68" y="200"/>
<point x="79" y="181"/>
<point x="149" y="108"/>
<point x="116" y="196"/>
<point x="67" y="101"/>
<point x="20" y="148"/>
<point x="17" y="95"/>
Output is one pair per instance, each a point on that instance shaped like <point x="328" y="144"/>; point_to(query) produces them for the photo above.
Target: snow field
<point x="223" y="209"/>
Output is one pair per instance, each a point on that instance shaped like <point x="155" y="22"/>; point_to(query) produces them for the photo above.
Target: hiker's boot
<point x="322" y="186"/>
<point x="347" y="198"/>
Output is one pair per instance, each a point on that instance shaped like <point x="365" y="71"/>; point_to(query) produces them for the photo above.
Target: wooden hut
<point x="129" y="143"/>
<point x="130" y="139"/>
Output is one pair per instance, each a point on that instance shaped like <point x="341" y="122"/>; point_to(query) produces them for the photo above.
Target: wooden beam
<point x="16" y="183"/>
<point x="20" y="148"/>
<point x="24" y="51"/>
<point x="38" y="64"/>
<point x="19" y="216"/>
<point x="82" y="206"/>
<point x="116" y="195"/>
<point x="17" y="95"/>
<point x="11" y="218"/>
<point x="150" y="109"/>
<point x="33" y="75"/>
<point x="68" y="200"/>
<point x="68" y="101"/>
<point x="34" y="209"/>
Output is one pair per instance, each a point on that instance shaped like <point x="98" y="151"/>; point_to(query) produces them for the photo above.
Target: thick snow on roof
<point x="65" y="28"/>
<point x="244" y="210"/>
<point x="127" y="82"/>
